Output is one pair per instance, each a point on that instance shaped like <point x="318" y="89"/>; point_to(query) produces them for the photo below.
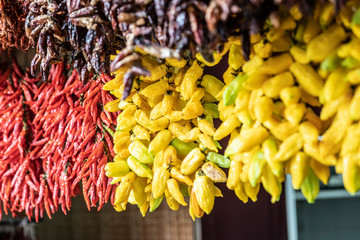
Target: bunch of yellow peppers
<point x="164" y="138"/>
<point x="293" y="108"/>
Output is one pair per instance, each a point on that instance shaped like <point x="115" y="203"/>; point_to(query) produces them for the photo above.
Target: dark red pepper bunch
<point x="54" y="143"/>
<point x="12" y="20"/>
<point x="71" y="31"/>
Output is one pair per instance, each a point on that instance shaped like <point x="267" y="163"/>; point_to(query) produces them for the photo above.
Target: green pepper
<point x="256" y="167"/>
<point x="155" y="202"/>
<point x="111" y="132"/>
<point x="218" y="159"/>
<point x="310" y="187"/>
<point x="140" y="169"/>
<point x="331" y="62"/>
<point x="211" y="109"/>
<point x="233" y="89"/>
<point x="350" y="63"/>
<point x="209" y="118"/>
<point x="184" y="189"/>
<point x="217" y="144"/>
<point x="356" y="17"/>
<point x="182" y="148"/>
<point x="299" y="32"/>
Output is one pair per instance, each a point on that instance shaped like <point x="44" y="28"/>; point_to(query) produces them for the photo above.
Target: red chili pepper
<point x="105" y="119"/>
<point x="56" y="194"/>
<point x="99" y="187"/>
<point x="33" y="152"/>
<point x="16" y="95"/>
<point x="55" y="106"/>
<point x="110" y="144"/>
<point x="92" y="93"/>
<point x="15" y="115"/>
<point x="40" y="99"/>
<point x="15" y="203"/>
<point x="88" y="137"/>
<point x="63" y="205"/>
<point x="82" y="90"/>
<point x="60" y="118"/>
<point x="40" y="142"/>
<point x="28" y="210"/>
<point x="32" y="196"/>
<point x="36" y="210"/>
<point x="33" y="177"/>
<point x="108" y="190"/>
<point x="66" y="192"/>
<point x="86" y="197"/>
<point x="29" y="183"/>
<point x="94" y="108"/>
<point x="70" y="101"/>
<point x="93" y="157"/>
<point x="46" y="203"/>
<point x="41" y="190"/>
<point x="41" y="208"/>
<point x="27" y="95"/>
<point x="73" y="77"/>
<point x="8" y="172"/>
<point x="49" y="181"/>
<point x="10" y="108"/>
<point x="24" y="197"/>
<point x="69" y="88"/>
<point x="113" y="190"/>
<point x="92" y="195"/>
<point x="19" y="176"/>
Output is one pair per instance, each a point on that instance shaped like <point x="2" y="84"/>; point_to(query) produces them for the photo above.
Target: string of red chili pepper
<point x="62" y="143"/>
<point x="13" y="160"/>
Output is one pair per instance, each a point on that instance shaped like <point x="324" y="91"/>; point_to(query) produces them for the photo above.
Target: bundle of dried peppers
<point x="54" y="137"/>
<point x="12" y="21"/>
<point x="87" y="32"/>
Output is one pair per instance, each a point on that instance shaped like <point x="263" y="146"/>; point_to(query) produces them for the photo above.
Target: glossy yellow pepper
<point x="161" y="175"/>
<point x="176" y="174"/>
<point x="140" y="169"/>
<point x="203" y="188"/>
<point x="160" y="141"/>
<point x="174" y="190"/>
<point x="192" y="161"/>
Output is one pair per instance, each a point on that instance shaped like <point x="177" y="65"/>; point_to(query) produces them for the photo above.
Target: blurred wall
<point x="80" y="224"/>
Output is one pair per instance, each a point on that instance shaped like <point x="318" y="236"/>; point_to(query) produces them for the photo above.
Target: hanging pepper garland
<point x="55" y="138"/>
<point x="12" y="21"/>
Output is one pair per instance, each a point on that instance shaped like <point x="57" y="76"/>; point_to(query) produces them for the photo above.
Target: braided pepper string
<point x="55" y="138"/>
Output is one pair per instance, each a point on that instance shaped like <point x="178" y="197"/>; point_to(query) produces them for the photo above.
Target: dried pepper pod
<point x="12" y="22"/>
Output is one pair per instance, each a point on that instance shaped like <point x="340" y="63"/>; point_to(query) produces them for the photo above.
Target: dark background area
<point x="232" y="219"/>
